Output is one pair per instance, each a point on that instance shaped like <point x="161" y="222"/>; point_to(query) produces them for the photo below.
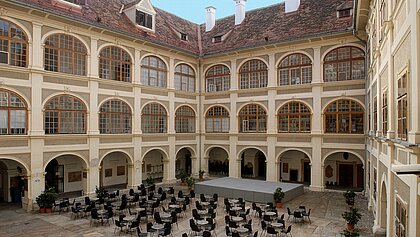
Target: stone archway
<point x="218" y="162"/>
<point x="183" y="161"/>
<point x="116" y="170"/>
<point x="343" y="170"/>
<point x="294" y="166"/>
<point x="13" y="181"/>
<point x="253" y="164"/>
<point x="66" y="174"/>
<point x="383" y="207"/>
<point x="153" y="165"/>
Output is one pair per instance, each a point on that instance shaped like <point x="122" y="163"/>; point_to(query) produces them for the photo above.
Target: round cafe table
<point x="236" y="208"/>
<point x="173" y="206"/>
<point x="277" y="225"/>
<point x="233" y="201"/>
<point x="237" y="219"/>
<point x="129" y="218"/>
<point x="242" y="230"/>
<point x="165" y="215"/>
<point x="202" y="222"/>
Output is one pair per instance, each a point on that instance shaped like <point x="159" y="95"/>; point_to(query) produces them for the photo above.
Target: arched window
<point x="294" y="117"/>
<point x="253" y="74"/>
<point x="153" y="119"/>
<point x="345" y="63"/>
<point x="184" y="78"/>
<point x="114" y="64"/>
<point x="253" y="118"/>
<point x="344" y="116"/>
<point x="13" y="44"/>
<point x="114" y="117"/>
<point x="185" y="120"/>
<point x="218" y="78"/>
<point x="153" y="72"/>
<point x="295" y="69"/>
<point x="66" y="54"/>
<point x="217" y="120"/>
<point x="65" y="114"/>
<point x="13" y="114"/>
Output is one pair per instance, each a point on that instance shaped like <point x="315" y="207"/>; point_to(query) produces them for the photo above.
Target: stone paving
<point x="326" y="220"/>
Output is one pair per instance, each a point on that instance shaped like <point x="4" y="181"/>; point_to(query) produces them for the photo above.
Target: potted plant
<point x="190" y="182"/>
<point x="349" y="195"/>
<point x="46" y="200"/>
<point x="201" y="174"/>
<point x="182" y="176"/>
<point x="278" y="196"/>
<point x="150" y="181"/>
<point x="352" y="217"/>
<point x="351" y="233"/>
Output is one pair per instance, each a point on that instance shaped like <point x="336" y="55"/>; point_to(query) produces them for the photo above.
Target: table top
<point x="202" y="222"/>
<point x="201" y="211"/>
<point x="270" y="213"/>
<point x="242" y="230"/>
<point x="277" y="225"/>
<point x="138" y="209"/>
<point x="151" y="201"/>
<point x="236" y="208"/>
<point x="157" y="226"/>
<point x="233" y="200"/>
<point x="205" y="203"/>
<point x="165" y="215"/>
<point x="173" y="206"/>
<point x="129" y="218"/>
<point x="237" y="218"/>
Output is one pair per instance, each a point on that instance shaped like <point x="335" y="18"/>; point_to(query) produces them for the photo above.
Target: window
<point x="218" y="78"/>
<point x="344" y="13"/>
<point x="375" y="114"/>
<point x="217" y="39"/>
<point x="184" y="78"/>
<point x="114" y="117"/>
<point x="294" y="117"/>
<point x="13" y="44"/>
<point x="400" y="219"/>
<point x="185" y="120"/>
<point x="253" y="74"/>
<point x="385" y="112"/>
<point x="66" y="54"/>
<point x="13" y="114"/>
<point x="217" y="120"/>
<point x="154" y="119"/>
<point x="153" y="72"/>
<point x="345" y="63"/>
<point x="78" y="2"/>
<point x="144" y="19"/>
<point x="375" y="183"/>
<point x="114" y="64"/>
<point x="65" y="114"/>
<point x="253" y="118"/>
<point x="344" y="116"/>
<point x="402" y="106"/>
<point x="295" y="69"/>
<point x="183" y="36"/>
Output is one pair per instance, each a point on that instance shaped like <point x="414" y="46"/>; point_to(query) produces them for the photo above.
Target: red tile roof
<point x="261" y="26"/>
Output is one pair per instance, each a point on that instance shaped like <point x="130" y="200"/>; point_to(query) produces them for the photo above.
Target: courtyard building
<point x="110" y="93"/>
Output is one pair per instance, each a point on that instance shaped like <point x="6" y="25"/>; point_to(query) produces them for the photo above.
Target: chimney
<point x="240" y="11"/>
<point x="291" y="5"/>
<point x="210" y="18"/>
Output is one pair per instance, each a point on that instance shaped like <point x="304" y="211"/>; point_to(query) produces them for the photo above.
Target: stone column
<point x="271" y="159"/>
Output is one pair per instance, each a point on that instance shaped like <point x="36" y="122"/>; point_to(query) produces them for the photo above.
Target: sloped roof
<point x="262" y="26"/>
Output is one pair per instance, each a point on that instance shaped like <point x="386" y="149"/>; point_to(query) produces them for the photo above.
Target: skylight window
<point x="144" y="19"/>
<point x="217" y="39"/>
<point x="344" y="13"/>
<point x="183" y="36"/>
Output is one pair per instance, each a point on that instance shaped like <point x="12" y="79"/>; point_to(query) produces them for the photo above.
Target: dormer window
<point x="344" y="13"/>
<point x="77" y="2"/>
<point x="217" y="39"/>
<point x="183" y="36"/>
<point x="144" y="19"/>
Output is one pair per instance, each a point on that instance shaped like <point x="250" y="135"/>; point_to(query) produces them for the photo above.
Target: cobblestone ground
<point x="326" y="220"/>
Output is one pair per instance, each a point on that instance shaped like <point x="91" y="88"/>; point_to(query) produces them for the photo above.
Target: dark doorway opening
<point x="294" y="175"/>
<point x="55" y="176"/>
<point x="345" y="175"/>
<point x="306" y="172"/>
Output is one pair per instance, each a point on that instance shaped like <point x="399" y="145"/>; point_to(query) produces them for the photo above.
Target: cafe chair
<point x="307" y="214"/>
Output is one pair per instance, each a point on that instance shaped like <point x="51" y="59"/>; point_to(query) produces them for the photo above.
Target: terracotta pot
<point x="350" y="226"/>
<point x="48" y="210"/>
<point x="42" y="210"/>
<point x="279" y="205"/>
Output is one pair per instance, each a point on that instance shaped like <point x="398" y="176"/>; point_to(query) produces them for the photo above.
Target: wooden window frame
<point x="59" y="51"/>
<point x="290" y="67"/>
<point x="401" y="98"/>
<point x="24" y="42"/>
<point x="375" y="114"/>
<point x="155" y="127"/>
<point x="185" y="75"/>
<point x="8" y="108"/>
<point x="109" y="60"/>
<point x="337" y="113"/>
<point x="299" y="115"/>
<point x="108" y="115"/>
<point x="337" y="61"/>
<point x="385" y="112"/>
<point x="224" y="114"/>
<point x="157" y="69"/>
<point x="262" y="74"/>
<point x="62" y="110"/>
<point x="148" y="18"/>
<point x="181" y="116"/>
<point x="244" y="115"/>
<point x="214" y="76"/>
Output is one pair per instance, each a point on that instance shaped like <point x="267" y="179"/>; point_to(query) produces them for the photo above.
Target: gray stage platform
<point x="249" y="189"/>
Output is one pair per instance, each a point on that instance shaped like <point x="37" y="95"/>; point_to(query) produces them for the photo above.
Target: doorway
<point x="345" y="175"/>
<point x="307" y="172"/>
<point x="294" y="175"/>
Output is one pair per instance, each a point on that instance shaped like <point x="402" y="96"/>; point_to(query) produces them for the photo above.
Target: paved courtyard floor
<point x="326" y="220"/>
